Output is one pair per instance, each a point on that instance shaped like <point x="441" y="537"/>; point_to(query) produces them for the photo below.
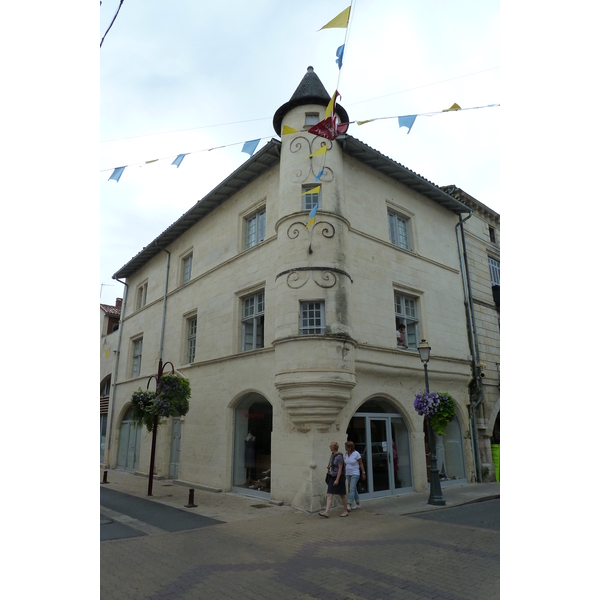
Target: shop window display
<point x="252" y="450"/>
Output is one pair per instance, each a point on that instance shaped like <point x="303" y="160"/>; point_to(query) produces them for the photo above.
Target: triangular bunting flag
<point x="315" y="190"/>
<point x="322" y="150"/>
<point x="453" y="107"/>
<point x="363" y="122"/>
<point x="311" y="215"/>
<point x="151" y="161"/>
<point x="340" y="55"/>
<point x="331" y="105"/>
<point x="340" y="22"/>
<point x="117" y="174"/>
<point x="319" y="174"/>
<point x="250" y="146"/>
<point x="287" y="130"/>
<point x="407" y="122"/>
<point x="178" y="160"/>
<point x="106" y="353"/>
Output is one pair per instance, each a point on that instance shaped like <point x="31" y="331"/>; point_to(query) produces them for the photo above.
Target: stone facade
<point x="313" y="381"/>
<point x="482" y="238"/>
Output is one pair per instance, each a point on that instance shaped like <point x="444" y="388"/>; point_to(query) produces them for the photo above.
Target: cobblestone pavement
<point x="290" y="554"/>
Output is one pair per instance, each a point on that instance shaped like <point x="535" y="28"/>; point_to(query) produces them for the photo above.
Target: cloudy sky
<point x="188" y="76"/>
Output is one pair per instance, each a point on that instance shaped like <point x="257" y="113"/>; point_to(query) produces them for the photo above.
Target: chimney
<point x="118" y="303"/>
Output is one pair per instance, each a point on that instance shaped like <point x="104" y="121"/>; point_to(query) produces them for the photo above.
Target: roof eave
<point x="255" y="166"/>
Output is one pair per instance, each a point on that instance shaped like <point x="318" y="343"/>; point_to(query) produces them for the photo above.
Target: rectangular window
<point x="309" y="201"/>
<point x="187" y="268"/>
<point x="398" y="230"/>
<point x="312" y="318"/>
<point x="494" y="270"/>
<point x="192" y="325"/>
<point x="142" y="292"/>
<point x="253" y="322"/>
<point x="406" y="315"/>
<point x="492" y="235"/>
<point x="255" y="228"/>
<point x="137" y="358"/>
<point x="311" y="119"/>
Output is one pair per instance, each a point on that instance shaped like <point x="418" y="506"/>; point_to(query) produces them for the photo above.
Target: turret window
<point x="309" y="201"/>
<point x="311" y="119"/>
<point x="312" y="318"/>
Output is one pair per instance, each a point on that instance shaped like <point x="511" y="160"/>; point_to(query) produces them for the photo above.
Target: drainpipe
<point x="473" y="343"/>
<point x="114" y="383"/>
<point x="162" y="327"/>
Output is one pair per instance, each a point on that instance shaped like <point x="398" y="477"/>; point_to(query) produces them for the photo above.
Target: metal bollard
<point x="191" y="500"/>
<point x="105" y="477"/>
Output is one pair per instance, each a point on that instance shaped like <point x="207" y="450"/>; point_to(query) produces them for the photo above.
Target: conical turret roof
<point x="310" y="91"/>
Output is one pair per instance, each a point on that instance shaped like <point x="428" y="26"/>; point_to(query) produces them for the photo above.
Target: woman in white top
<point x="354" y="467"/>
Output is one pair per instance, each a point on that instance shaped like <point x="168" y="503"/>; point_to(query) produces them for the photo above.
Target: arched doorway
<point x="253" y="425"/>
<point x="130" y="436"/>
<point x="381" y="436"/>
<point x="449" y="451"/>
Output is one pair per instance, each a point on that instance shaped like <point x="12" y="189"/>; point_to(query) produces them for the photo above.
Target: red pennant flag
<point x="329" y="128"/>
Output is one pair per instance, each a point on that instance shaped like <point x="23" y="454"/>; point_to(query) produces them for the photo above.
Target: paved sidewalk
<point x="228" y="507"/>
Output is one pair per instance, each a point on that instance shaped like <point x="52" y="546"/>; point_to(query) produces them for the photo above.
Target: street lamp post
<point x="155" y="425"/>
<point x="435" y="489"/>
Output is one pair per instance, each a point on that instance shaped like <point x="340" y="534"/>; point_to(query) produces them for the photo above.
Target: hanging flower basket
<point x="439" y="407"/>
<point x="172" y="398"/>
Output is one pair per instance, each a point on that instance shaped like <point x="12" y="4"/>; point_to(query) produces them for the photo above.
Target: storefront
<point x="253" y="425"/>
<point x="381" y="436"/>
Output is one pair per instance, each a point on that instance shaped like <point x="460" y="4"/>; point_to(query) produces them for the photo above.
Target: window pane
<point x="248" y="307"/>
<point x="392" y="227"/>
<point x="191" y="350"/>
<point x="311" y="318"/>
<point x="398" y="231"/>
<point x="187" y="269"/>
<point x="248" y="335"/>
<point x="309" y="201"/>
<point x="494" y="271"/>
<point x="261" y="226"/>
<point x="250" y="232"/>
<point x="402" y="233"/>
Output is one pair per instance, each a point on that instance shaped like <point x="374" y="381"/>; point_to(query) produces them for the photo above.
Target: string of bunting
<point x="328" y="128"/>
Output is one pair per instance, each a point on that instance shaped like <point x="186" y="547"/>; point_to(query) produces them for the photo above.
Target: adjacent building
<point x="287" y="332"/>
<point x="109" y="326"/>
<point x="480" y="247"/>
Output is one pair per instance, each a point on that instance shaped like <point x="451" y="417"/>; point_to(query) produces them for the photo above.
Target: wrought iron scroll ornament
<point x="327" y="230"/>
<point x="298" y="277"/>
<point x="301" y="143"/>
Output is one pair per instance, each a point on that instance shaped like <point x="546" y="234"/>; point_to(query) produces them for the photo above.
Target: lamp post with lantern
<point x="435" y="489"/>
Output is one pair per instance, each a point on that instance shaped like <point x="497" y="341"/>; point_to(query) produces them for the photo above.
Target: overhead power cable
<point x="267" y="118"/>
<point x="111" y="23"/>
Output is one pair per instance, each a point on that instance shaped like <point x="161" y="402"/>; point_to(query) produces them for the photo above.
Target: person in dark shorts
<point x="336" y="480"/>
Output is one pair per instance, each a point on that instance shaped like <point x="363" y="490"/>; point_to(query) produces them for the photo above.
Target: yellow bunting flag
<point x="287" y="130"/>
<point x="453" y="107"/>
<point x="319" y="152"/>
<point x="151" y="161"/>
<point x="106" y="353"/>
<point x="331" y="104"/>
<point x="341" y="21"/>
<point x="315" y="190"/>
<point x="363" y="122"/>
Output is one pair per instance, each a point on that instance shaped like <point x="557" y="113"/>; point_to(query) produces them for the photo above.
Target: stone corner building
<point x="287" y="333"/>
